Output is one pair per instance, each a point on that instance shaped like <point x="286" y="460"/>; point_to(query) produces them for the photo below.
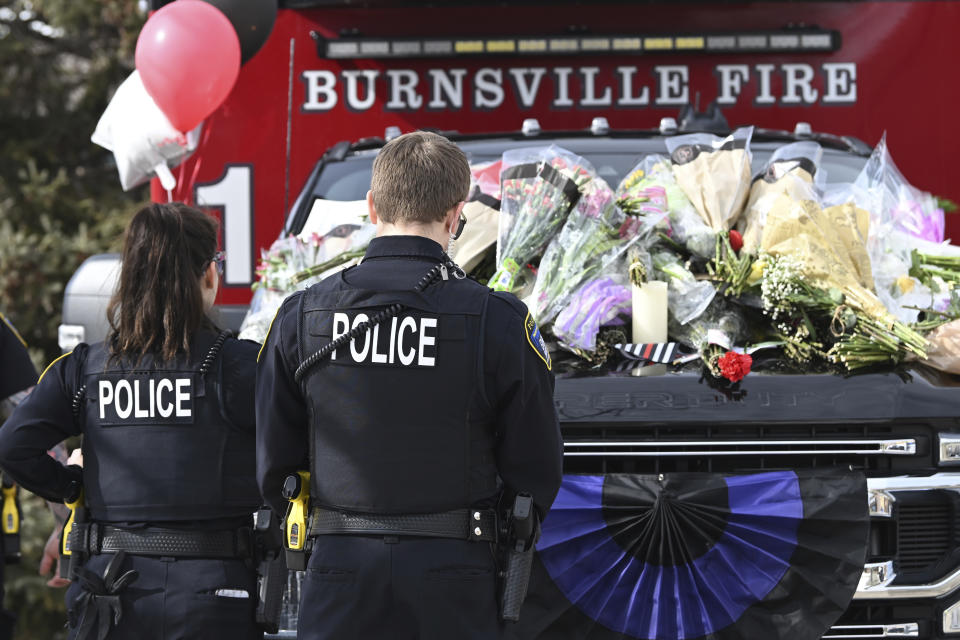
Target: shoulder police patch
<point x="536" y="340"/>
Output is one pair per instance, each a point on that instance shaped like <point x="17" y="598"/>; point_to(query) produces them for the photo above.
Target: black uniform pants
<point x="175" y="599"/>
<point x="7" y="618"/>
<point x="376" y="588"/>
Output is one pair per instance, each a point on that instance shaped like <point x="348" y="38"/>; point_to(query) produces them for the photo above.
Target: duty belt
<point x="96" y="538"/>
<point x="477" y="525"/>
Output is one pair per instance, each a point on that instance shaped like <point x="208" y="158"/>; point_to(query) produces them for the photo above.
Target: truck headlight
<point x="69" y="336"/>
<point x="949" y="449"/>
<point x="951" y="618"/>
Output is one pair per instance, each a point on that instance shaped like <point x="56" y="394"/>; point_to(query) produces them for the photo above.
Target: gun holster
<point x="271" y="568"/>
<point x="521" y="532"/>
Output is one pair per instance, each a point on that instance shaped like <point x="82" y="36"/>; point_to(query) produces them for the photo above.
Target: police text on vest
<point x="145" y="398"/>
<point x="404" y="341"/>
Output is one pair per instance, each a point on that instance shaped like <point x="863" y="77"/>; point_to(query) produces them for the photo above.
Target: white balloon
<point x="142" y="140"/>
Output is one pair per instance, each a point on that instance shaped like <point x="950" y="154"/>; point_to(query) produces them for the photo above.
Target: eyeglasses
<point x="218" y="259"/>
<point x="460" y="225"/>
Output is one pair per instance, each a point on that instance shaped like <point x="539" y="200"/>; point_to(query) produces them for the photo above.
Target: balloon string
<point x="169" y="195"/>
<point x="207" y="126"/>
<point x="180" y="171"/>
<point x="286" y="168"/>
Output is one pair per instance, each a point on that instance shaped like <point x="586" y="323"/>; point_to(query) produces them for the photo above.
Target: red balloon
<point x="188" y="56"/>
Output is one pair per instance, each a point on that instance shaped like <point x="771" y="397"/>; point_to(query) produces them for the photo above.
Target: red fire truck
<point x="334" y="70"/>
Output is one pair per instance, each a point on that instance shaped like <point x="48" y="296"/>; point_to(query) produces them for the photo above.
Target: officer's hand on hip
<point x="76" y="457"/>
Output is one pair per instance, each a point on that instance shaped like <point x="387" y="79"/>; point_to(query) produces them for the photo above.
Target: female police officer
<point x="165" y="406"/>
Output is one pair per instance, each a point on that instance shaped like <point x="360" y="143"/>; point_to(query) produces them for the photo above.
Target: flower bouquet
<point x="485" y="178"/>
<point x="539" y="187"/>
<point x="721" y="323"/>
<point x="830" y="269"/>
<point x="794" y="170"/>
<point x="688" y="297"/>
<point x="714" y="173"/>
<point x="599" y="301"/>
<point x="902" y="218"/>
<point x="596" y="234"/>
<point x="895" y="201"/>
<point x="846" y="326"/>
<point x="648" y="185"/>
<point x="337" y="234"/>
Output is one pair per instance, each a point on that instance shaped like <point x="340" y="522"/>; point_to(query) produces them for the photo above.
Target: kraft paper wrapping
<point x="831" y="245"/>
<point x="944" y="350"/>
<point x="479" y="235"/>
<point x="796" y="183"/>
<point x="717" y="183"/>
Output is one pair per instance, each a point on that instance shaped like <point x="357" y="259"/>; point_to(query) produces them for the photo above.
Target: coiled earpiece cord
<point x="213" y="352"/>
<point x="441" y="270"/>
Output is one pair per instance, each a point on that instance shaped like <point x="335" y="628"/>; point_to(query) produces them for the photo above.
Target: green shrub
<point x="60" y="202"/>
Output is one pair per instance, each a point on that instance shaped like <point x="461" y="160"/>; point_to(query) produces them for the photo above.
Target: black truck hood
<point x="760" y="398"/>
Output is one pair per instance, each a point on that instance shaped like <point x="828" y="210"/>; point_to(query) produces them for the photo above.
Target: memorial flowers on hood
<point x="819" y="266"/>
<point x="597" y="233"/>
<point x="734" y="366"/>
<point x="714" y="173"/>
<point x="539" y="187"/>
<point x="596" y="303"/>
<point x="651" y="180"/>
<point x="688" y="297"/>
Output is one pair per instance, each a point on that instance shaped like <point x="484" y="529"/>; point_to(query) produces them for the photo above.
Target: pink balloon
<point x="188" y="56"/>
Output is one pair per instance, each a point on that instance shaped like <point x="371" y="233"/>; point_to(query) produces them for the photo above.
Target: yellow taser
<point x="296" y="489"/>
<point x="11" y="514"/>
<point x="68" y="526"/>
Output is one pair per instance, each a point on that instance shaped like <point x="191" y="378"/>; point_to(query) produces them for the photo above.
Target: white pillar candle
<point x="650" y="312"/>
<point x="650" y="320"/>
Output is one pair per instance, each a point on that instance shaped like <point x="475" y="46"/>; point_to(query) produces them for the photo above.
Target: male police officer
<point x="415" y="426"/>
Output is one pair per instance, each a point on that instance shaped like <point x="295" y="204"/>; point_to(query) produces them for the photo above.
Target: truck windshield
<point x="349" y="179"/>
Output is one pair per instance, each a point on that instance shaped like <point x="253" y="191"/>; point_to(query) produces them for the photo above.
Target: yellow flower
<point x="905" y="284"/>
<point x="633" y="178"/>
<point x="756" y="272"/>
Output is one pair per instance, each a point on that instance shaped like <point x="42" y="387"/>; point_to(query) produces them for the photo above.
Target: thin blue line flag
<point x="697" y="556"/>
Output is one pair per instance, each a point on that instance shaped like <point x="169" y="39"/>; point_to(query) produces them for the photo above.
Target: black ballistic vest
<point x="156" y="446"/>
<point x="398" y="419"/>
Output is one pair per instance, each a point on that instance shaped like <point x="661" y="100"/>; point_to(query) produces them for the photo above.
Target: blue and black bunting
<point x="688" y="556"/>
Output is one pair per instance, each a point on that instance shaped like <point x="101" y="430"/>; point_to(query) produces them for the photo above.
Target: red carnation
<point x="734" y="366"/>
<point x="736" y="243"/>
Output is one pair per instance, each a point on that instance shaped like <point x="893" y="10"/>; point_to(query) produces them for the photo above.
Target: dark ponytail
<point x="158" y="304"/>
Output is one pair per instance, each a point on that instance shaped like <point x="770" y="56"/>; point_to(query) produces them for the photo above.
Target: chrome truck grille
<point x="926" y="535"/>
<point x="904" y="630"/>
<point x="920" y="556"/>
<point x="753" y="448"/>
<point x="731" y="448"/>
